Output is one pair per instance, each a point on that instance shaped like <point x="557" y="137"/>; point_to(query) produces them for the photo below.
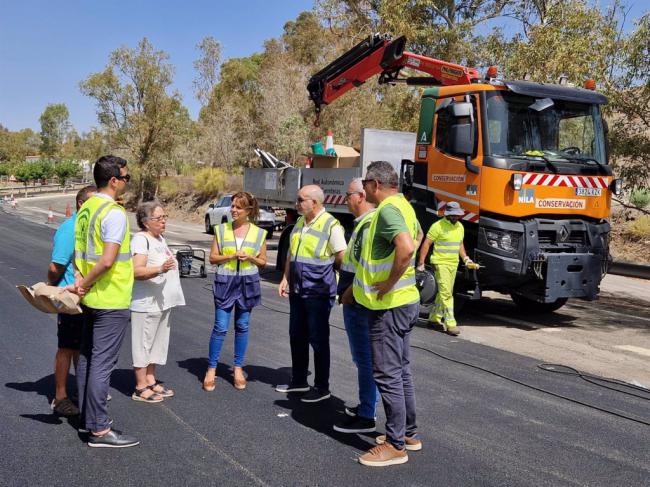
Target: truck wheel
<point x="208" y="227"/>
<point x="529" y="306"/>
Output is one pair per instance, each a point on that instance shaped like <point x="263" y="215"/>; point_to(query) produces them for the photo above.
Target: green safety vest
<point x="252" y="245"/>
<point x="446" y="248"/>
<point x="113" y="289"/>
<point x="349" y="263"/>
<point x="371" y="271"/>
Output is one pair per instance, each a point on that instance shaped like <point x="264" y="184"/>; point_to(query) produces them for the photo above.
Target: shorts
<point x="150" y="337"/>
<point x="69" y="329"/>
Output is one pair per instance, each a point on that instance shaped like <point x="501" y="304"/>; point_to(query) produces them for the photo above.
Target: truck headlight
<point x="617" y="186"/>
<point x="503" y="240"/>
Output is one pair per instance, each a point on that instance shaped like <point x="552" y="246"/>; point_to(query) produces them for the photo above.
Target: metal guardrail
<point x="628" y="269"/>
<point x="21" y="191"/>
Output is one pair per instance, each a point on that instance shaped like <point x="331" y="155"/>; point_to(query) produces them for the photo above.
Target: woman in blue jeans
<point x="239" y="251"/>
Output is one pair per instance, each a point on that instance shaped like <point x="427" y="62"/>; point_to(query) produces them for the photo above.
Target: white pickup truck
<point x="219" y="212"/>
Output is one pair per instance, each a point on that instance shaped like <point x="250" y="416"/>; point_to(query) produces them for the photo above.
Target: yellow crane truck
<point x="527" y="161"/>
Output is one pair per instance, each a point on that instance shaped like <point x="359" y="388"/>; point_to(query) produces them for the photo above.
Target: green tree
<point x="55" y="126"/>
<point x="65" y="170"/>
<point x="207" y="69"/>
<point x="140" y="117"/>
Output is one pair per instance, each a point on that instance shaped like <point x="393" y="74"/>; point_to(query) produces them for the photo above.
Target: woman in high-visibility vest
<point x="447" y="236"/>
<point x="239" y="251"/>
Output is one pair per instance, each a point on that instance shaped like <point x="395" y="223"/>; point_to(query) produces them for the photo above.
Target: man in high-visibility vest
<point x="384" y="283"/>
<point x="446" y="235"/>
<point x="361" y="418"/>
<point x="316" y="246"/>
<point x="104" y="279"/>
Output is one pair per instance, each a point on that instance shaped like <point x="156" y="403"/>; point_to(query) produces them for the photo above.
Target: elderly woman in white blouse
<point x="157" y="289"/>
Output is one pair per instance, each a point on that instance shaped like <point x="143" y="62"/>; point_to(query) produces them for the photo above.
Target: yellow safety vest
<point x="113" y="289"/>
<point x="371" y="271"/>
<point x="447" y="241"/>
<point x="311" y="247"/>
<point x="349" y="263"/>
<point x="252" y="245"/>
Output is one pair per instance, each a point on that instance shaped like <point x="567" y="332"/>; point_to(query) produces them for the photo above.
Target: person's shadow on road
<point x="43" y="387"/>
<point x="321" y="417"/>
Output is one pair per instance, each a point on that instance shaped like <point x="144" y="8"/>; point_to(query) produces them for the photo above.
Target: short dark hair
<point x="107" y="167"/>
<point x="83" y="194"/>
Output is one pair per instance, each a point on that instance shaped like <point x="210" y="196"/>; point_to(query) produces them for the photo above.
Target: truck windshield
<point x="523" y="126"/>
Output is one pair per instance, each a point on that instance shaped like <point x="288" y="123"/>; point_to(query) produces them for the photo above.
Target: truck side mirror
<point x="211" y="205"/>
<point x="461" y="138"/>
<point x="461" y="109"/>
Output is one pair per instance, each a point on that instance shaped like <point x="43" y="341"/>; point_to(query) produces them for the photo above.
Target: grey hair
<point x="144" y="212"/>
<point x="358" y="182"/>
<point x="383" y="172"/>
<point x="316" y="193"/>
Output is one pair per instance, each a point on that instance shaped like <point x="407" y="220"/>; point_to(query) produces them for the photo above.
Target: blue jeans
<point x="309" y="325"/>
<point x="221" y="322"/>
<point x="355" y="318"/>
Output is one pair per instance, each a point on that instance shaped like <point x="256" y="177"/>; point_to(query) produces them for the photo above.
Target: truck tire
<point x="529" y="306"/>
<point x="208" y="227"/>
<point x="283" y="248"/>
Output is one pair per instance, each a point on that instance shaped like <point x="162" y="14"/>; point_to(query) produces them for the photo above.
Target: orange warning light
<point x="590" y="84"/>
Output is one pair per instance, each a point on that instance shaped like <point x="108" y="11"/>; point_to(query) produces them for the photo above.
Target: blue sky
<point x="47" y="47"/>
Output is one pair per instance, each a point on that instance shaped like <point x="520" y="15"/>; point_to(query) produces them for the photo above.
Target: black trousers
<point x="309" y="325"/>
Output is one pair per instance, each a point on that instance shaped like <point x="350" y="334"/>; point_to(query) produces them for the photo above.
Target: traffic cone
<point x="329" y="143"/>
<point x="68" y="211"/>
<point x="50" y="215"/>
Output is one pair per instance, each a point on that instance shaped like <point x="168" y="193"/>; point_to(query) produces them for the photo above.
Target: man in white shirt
<point x="316" y="247"/>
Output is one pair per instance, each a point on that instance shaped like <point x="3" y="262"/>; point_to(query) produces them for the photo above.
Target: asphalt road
<point x="478" y="428"/>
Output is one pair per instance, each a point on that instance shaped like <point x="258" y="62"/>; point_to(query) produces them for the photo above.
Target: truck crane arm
<point x="380" y="55"/>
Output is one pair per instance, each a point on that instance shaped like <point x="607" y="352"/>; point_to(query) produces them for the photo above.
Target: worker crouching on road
<point x="446" y="235"/>
<point x="384" y="283"/>
<point x="316" y="246"/>
<point x="239" y="251"/>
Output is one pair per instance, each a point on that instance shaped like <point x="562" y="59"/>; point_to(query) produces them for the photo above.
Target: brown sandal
<point x="209" y="386"/>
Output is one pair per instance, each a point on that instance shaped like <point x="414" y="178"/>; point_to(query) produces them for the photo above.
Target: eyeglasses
<point x="125" y="178"/>
<point x="159" y="218"/>
<point x="350" y="193"/>
<point x="366" y="181"/>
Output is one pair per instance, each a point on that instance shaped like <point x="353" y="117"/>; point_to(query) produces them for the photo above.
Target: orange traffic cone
<point x="50" y="215"/>
<point x="68" y="211"/>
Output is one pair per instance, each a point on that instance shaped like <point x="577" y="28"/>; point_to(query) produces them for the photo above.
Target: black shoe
<point x="292" y="388"/>
<point x="64" y="408"/>
<point x="82" y="429"/>
<point x="355" y="425"/>
<point x="112" y="439"/>
<point x="353" y="411"/>
<point x="316" y="395"/>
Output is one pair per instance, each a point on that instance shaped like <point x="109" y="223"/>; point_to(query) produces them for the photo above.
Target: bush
<point x="209" y="182"/>
<point x="640" y="198"/>
<point x="639" y="228"/>
<point x="168" y="187"/>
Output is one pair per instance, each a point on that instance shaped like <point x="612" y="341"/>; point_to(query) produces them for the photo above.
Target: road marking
<point x="633" y="349"/>
<point x="216" y="449"/>
<point x="512" y="321"/>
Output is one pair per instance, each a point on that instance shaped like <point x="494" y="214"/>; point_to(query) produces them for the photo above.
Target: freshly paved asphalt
<point x="477" y="428"/>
